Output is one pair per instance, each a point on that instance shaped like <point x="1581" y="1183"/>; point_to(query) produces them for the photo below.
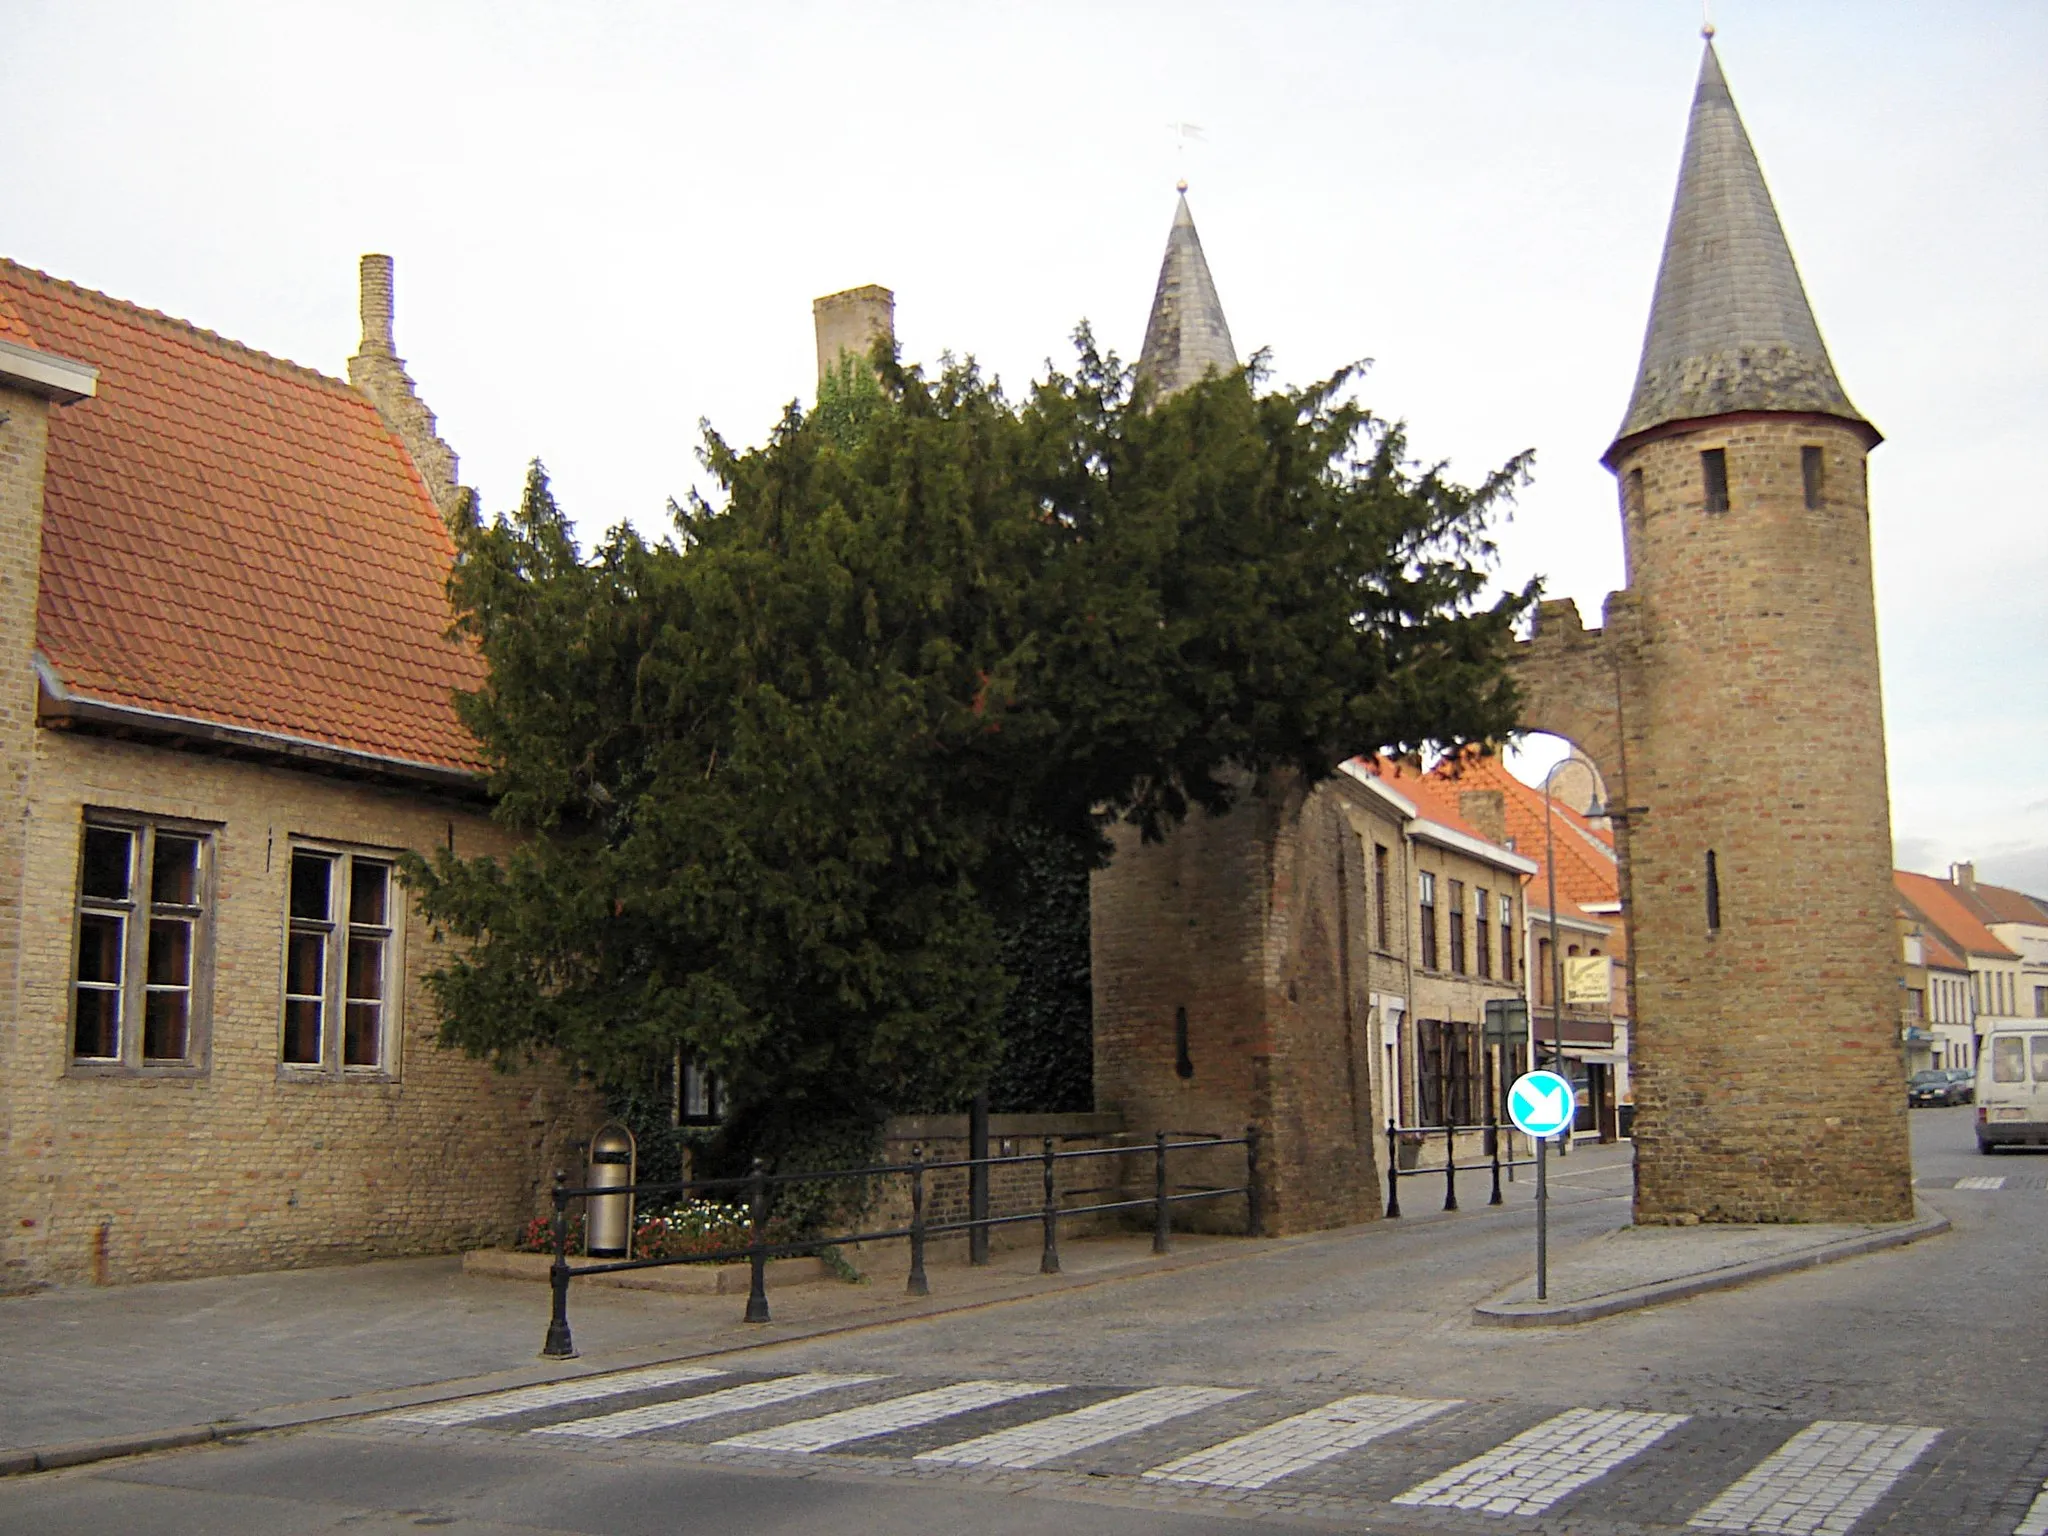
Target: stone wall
<point x="237" y="1165"/>
<point x="1230" y="990"/>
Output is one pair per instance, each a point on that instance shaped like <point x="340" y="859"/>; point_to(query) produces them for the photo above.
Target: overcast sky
<point x="610" y="219"/>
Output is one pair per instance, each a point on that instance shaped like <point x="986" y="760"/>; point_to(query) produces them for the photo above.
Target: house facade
<point x="226" y="709"/>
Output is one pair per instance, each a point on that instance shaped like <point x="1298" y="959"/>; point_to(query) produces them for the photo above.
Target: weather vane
<point x="1182" y="132"/>
<point x="1707" y="19"/>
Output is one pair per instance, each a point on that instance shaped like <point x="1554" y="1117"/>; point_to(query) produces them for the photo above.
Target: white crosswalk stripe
<point x="689" y="1410"/>
<point x="584" y="1389"/>
<point x="884" y="1418"/>
<point x="2035" y="1521"/>
<point x="1528" y="1474"/>
<point x="1820" y="1482"/>
<point x="1981" y="1181"/>
<point x="1305" y="1440"/>
<point x="1034" y="1444"/>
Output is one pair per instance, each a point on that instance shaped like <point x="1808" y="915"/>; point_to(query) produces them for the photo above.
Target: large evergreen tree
<point x="776" y="774"/>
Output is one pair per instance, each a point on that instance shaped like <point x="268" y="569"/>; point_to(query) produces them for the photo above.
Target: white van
<point x="2012" y="1089"/>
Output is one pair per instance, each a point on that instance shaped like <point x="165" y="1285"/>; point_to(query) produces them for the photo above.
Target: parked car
<point x="1966" y="1080"/>
<point x="1937" y="1085"/>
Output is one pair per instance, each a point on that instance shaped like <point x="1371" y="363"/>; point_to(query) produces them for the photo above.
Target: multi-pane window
<point x="338" y="964"/>
<point x="1426" y="896"/>
<point x="1382" y="923"/>
<point x="697" y="1093"/>
<point x="1507" y="938"/>
<point x="1449" y="1073"/>
<point x="1457" y="927"/>
<point x="1482" y="955"/>
<point x="138" y="997"/>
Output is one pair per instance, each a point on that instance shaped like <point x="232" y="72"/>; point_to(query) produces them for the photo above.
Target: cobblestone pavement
<point x="1335" y="1384"/>
<point x="1146" y="1457"/>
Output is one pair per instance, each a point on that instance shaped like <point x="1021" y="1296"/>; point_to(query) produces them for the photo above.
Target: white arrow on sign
<point x="1541" y="1103"/>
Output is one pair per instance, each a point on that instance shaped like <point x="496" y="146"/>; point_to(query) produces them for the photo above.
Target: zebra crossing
<point x="1443" y="1456"/>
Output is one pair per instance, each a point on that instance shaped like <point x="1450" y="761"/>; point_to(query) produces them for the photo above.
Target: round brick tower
<point x="1767" y="1061"/>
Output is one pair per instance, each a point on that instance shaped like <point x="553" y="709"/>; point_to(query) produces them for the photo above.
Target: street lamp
<point x="1556" y="949"/>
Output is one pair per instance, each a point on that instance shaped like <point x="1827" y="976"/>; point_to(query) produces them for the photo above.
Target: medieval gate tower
<point x="1731" y="701"/>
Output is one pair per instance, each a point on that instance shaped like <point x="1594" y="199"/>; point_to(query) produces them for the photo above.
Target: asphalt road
<point x="1905" y="1391"/>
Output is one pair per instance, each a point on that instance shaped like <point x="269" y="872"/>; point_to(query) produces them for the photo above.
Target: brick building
<point x="1590" y="921"/>
<point x="225" y="708"/>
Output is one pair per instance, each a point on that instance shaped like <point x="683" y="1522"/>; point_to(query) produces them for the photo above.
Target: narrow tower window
<point x="1811" y="470"/>
<point x="1634" y="494"/>
<point x="1183" y="1063"/>
<point x="1714" y="471"/>
<point x="1713" y="894"/>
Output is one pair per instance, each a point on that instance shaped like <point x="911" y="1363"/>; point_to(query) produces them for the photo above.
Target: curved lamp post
<point x="1556" y="949"/>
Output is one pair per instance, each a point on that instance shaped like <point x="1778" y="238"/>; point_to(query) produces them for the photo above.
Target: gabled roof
<point x="234" y="542"/>
<point x="1587" y="870"/>
<point x="1935" y="903"/>
<point x="1186" y="335"/>
<point x="1437" y="811"/>
<point x="2001" y="904"/>
<point x="1730" y="327"/>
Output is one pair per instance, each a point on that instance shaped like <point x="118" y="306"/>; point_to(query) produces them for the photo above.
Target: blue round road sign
<point x="1541" y="1103"/>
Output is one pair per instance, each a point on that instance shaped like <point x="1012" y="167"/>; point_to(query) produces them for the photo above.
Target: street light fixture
<point x="1556" y="949"/>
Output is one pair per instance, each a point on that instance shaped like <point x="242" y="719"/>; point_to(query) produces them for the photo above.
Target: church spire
<point x="1730" y="328"/>
<point x="1187" y="334"/>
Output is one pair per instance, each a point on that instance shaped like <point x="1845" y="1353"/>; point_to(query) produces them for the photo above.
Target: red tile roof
<point x="1586" y="867"/>
<point x="1935" y="903"/>
<point x="237" y="540"/>
<point x="2000" y="904"/>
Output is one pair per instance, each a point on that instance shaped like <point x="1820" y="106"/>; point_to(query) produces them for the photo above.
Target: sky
<point x="609" y="221"/>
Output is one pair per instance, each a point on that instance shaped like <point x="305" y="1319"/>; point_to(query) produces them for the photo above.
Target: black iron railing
<point x="759" y="1250"/>
<point x="1417" y="1136"/>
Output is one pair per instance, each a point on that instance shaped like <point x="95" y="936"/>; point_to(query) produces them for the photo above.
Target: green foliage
<point x="1041" y="911"/>
<point x="774" y="774"/>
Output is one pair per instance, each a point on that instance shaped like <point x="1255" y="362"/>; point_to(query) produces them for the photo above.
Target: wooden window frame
<point x="138" y="911"/>
<point x="341" y="930"/>
<point x="1425" y="903"/>
<point x="1456" y="912"/>
<point x="1482" y="933"/>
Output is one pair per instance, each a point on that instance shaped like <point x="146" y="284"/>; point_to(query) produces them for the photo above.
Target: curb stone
<point x="1502" y="1313"/>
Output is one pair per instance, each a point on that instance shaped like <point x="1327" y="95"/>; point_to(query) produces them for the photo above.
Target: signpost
<point x="1542" y="1104"/>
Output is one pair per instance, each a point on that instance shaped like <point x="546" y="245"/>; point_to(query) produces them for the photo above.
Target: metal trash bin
<point x="608" y="1220"/>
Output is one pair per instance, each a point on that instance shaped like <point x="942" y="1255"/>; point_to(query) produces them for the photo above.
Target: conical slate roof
<point x="1187" y="334"/>
<point x="1730" y="328"/>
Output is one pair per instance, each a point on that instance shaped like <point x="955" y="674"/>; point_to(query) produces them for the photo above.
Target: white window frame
<point x="136" y="912"/>
<point x="339" y="930"/>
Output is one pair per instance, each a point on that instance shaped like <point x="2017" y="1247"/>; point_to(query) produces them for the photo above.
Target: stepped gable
<point x="235" y="541"/>
<point x="1730" y="328"/>
<point x="1186" y="336"/>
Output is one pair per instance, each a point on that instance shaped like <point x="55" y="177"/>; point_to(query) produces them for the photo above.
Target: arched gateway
<point x="1731" y="702"/>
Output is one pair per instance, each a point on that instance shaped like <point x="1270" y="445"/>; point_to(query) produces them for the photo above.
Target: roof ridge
<point x="181" y="326"/>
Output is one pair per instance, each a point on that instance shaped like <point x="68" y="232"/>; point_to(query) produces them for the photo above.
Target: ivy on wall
<point x="1047" y="1063"/>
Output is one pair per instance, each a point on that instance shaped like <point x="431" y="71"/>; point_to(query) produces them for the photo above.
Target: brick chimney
<point x="848" y="323"/>
<point x="1487" y="812"/>
<point x="1964" y="875"/>
<point x="379" y="375"/>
